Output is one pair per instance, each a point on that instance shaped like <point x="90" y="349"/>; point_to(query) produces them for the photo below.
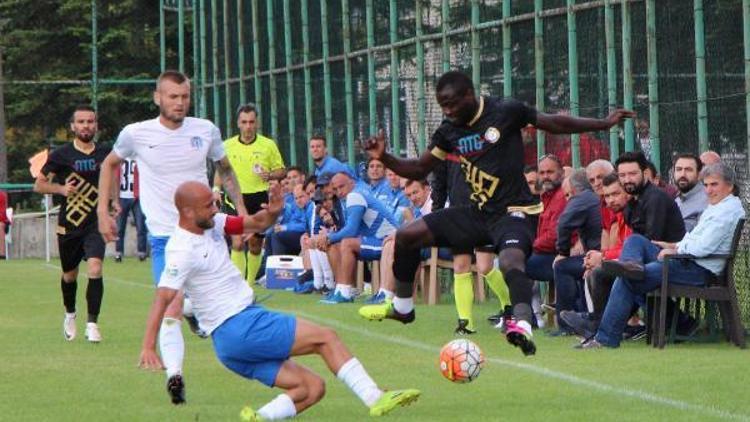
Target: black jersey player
<point x="484" y="135"/>
<point x="72" y="172"/>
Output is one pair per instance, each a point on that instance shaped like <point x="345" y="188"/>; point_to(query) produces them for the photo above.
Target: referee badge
<point x="492" y="135"/>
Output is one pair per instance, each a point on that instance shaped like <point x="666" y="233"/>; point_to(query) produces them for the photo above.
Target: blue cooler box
<point x="282" y="271"/>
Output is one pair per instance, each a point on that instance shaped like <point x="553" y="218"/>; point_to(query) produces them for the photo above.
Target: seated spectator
<point x="539" y="264"/>
<point x="601" y="283"/>
<point x="710" y="157"/>
<point x="692" y="199"/>
<point x="4" y="223"/>
<point x="286" y="234"/>
<point x="652" y="175"/>
<point x="379" y="186"/>
<point x="582" y="215"/>
<point x="295" y="175"/>
<point x="398" y="202"/>
<point x="419" y="195"/>
<point x="596" y="171"/>
<point x="639" y="268"/>
<point x="420" y="204"/>
<point x="531" y="173"/>
<point x="322" y="218"/>
<point x="650" y="212"/>
<point x="367" y="223"/>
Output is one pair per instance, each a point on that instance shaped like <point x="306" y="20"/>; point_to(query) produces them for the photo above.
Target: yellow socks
<point x="464" y="295"/>
<point x="496" y="281"/>
<point x="253" y="263"/>
<point x="238" y="259"/>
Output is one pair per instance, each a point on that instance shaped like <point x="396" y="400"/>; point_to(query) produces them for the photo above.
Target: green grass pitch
<point x="43" y="377"/>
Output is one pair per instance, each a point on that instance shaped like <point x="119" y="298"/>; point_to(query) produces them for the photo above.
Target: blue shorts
<point x="158" y="244"/>
<point x="255" y="343"/>
<point x="370" y="248"/>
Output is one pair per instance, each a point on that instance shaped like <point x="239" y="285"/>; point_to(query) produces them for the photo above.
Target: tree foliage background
<point x="48" y="40"/>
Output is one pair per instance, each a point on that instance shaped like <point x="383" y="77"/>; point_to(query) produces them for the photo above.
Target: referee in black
<point x="72" y="173"/>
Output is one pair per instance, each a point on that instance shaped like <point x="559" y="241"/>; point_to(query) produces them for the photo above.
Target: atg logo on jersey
<point x="196" y="142"/>
<point x="470" y="143"/>
<point x="88" y="164"/>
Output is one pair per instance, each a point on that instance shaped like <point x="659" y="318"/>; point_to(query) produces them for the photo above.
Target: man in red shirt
<point x="539" y="264"/>
<point x="616" y="200"/>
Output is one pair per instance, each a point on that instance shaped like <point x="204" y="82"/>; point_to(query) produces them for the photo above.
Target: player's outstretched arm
<point x="109" y="170"/>
<point x="230" y="183"/>
<point x="267" y="217"/>
<point x="411" y="168"/>
<point x="149" y="359"/>
<point x="560" y="123"/>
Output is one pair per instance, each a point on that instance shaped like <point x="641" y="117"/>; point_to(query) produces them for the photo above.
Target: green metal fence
<point x="346" y="67"/>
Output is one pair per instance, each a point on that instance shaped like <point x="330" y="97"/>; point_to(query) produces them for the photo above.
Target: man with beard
<point x="539" y="264"/>
<point x="484" y="133"/>
<point x="72" y="171"/>
<point x="692" y="199"/>
<point x="170" y="149"/>
<point x="650" y="212"/>
<point x="616" y="199"/>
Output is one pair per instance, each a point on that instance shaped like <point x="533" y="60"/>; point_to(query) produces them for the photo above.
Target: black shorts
<point x="252" y="203"/>
<point x="75" y="247"/>
<point x="464" y="228"/>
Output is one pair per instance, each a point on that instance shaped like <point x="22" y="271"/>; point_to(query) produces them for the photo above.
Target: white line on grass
<point x="548" y="373"/>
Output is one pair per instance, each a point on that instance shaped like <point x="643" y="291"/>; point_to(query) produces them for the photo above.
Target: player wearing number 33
<point x="482" y="134"/>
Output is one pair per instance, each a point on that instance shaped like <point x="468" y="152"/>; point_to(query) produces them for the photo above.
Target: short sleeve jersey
<point x="490" y="152"/>
<point x="166" y="159"/>
<point x="77" y="211"/>
<point x="200" y="264"/>
<point x="248" y="160"/>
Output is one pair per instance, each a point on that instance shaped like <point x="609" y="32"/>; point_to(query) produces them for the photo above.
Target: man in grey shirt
<point x="692" y="199"/>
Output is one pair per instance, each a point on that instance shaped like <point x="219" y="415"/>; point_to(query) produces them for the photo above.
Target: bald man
<point x="710" y="157"/>
<point x="248" y="339"/>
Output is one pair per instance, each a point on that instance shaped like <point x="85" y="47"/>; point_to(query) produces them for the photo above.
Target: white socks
<point x="316" y="268"/>
<point x="327" y="270"/>
<point x="281" y="407"/>
<point x="322" y="271"/>
<point x="345" y="290"/>
<point x="403" y="305"/>
<point x="353" y="374"/>
<point x="388" y="294"/>
<point x="171" y="345"/>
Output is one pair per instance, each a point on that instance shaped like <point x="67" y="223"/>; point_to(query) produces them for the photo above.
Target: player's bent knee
<point x="316" y="389"/>
<point x="328" y="336"/>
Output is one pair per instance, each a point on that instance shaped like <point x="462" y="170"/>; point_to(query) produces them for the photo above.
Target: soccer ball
<point x="461" y="360"/>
